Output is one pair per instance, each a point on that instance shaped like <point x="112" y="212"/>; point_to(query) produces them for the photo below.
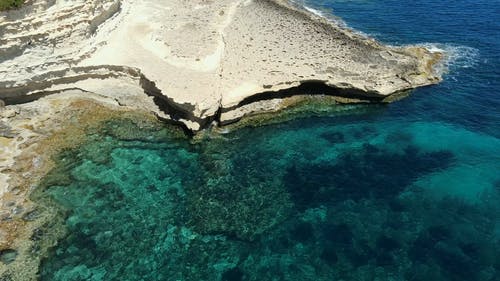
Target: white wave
<point x="330" y="16"/>
<point x="315" y="11"/>
<point x="455" y="56"/>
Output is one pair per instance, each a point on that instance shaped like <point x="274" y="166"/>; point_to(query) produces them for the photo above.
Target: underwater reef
<point x="103" y="178"/>
<point x="148" y="205"/>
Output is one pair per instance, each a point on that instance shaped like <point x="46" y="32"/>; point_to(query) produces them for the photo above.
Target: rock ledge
<point x="200" y="61"/>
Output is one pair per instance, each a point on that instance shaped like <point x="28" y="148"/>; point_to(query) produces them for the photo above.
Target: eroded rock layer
<point x="199" y="59"/>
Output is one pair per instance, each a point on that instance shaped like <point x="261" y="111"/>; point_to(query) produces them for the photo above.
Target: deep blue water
<point x="407" y="191"/>
<point x="468" y="30"/>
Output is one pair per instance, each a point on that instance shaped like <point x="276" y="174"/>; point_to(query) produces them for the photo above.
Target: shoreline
<point x="53" y="95"/>
<point x="29" y="229"/>
<point x="199" y="68"/>
<point x="32" y="227"/>
<point x="65" y="121"/>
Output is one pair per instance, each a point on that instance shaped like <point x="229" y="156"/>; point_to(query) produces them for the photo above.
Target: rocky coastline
<point x="66" y="66"/>
<point x="33" y="135"/>
<point x="199" y="60"/>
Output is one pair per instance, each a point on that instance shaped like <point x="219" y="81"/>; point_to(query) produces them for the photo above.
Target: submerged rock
<point x="7" y="256"/>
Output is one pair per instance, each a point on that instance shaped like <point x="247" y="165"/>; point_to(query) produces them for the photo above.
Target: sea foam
<point x="328" y="15"/>
<point x="455" y="56"/>
<point x="315" y="11"/>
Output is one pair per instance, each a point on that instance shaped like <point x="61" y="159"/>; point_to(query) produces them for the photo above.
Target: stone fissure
<point x="309" y="88"/>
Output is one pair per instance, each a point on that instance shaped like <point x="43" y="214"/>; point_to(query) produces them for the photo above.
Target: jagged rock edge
<point x="40" y="87"/>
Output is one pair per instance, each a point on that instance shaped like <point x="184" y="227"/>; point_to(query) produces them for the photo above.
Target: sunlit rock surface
<point x="196" y="58"/>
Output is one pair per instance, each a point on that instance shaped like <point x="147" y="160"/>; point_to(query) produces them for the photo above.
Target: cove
<point x="407" y="191"/>
<point x="356" y="197"/>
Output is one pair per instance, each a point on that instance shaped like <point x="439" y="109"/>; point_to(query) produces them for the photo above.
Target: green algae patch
<point x="128" y="179"/>
<point x="122" y="182"/>
<point x="10" y="4"/>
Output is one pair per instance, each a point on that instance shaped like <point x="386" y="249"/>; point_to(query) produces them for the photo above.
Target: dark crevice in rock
<point x="21" y="94"/>
<point x="20" y="99"/>
<point x="218" y="115"/>
<point x="312" y="88"/>
<point x="177" y="112"/>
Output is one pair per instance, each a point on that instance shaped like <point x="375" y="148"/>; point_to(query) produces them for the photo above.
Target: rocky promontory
<point x="199" y="61"/>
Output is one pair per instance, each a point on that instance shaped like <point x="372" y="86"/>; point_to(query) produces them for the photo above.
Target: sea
<point x="404" y="191"/>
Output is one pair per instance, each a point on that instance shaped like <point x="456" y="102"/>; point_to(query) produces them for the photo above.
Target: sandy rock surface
<point x="195" y="57"/>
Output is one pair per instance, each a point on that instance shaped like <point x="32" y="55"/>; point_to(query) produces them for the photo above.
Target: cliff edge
<point x="199" y="61"/>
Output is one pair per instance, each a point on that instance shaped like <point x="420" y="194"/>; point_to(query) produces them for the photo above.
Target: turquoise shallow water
<point x="408" y="191"/>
